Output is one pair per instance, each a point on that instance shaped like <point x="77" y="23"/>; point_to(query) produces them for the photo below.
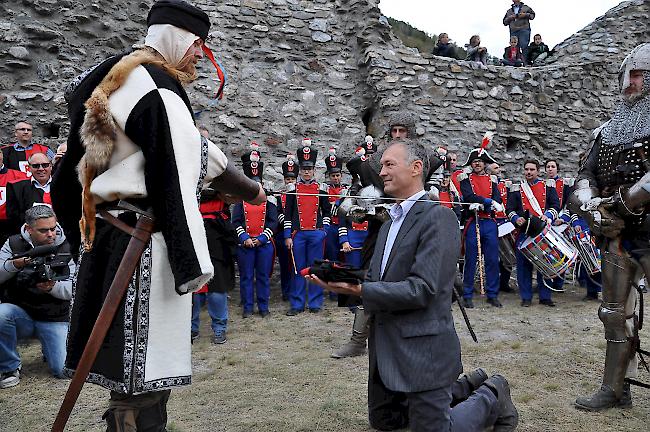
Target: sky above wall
<point x="555" y="20"/>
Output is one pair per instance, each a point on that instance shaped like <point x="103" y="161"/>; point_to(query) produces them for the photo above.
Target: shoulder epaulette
<point x="272" y="199"/>
<point x="569" y="181"/>
<point x="508" y="183"/>
<point x="291" y="187"/>
<point x="462" y="176"/>
<point x="494" y="179"/>
<point x="514" y="187"/>
<point x="549" y="183"/>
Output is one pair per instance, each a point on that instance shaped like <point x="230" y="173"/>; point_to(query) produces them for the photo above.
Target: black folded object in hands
<point x="333" y="271"/>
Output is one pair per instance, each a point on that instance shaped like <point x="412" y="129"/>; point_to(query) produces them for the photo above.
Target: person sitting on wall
<point x="512" y="55"/>
<point x="476" y="52"/>
<point x="537" y="51"/>
<point x="443" y="48"/>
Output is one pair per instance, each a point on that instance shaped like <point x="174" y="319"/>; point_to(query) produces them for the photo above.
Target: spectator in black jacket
<point x="33" y="306"/>
<point x="22" y="195"/>
<point x="537" y="51"/>
<point x="443" y="48"/>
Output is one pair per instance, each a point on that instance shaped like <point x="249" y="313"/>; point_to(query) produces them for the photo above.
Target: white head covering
<point x="170" y="41"/>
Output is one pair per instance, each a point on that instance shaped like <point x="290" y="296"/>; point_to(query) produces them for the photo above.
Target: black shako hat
<point x="180" y="14"/>
<point x="251" y="165"/>
<point x="333" y="163"/>
<point x="289" y="167"/>
<point x="306" y="155"/>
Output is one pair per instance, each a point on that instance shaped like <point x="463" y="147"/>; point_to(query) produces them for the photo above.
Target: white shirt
<point x="45" y="187"/>
<point x="397" y="213"/>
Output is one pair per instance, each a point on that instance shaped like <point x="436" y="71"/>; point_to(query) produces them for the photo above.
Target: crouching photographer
<point x="36" y="271"/>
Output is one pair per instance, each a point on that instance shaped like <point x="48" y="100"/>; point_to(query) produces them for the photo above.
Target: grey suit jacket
<point x="412" y="339"/>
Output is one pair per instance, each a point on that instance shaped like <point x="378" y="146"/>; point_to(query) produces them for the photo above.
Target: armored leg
<point x="356" y="346"/>
<point x="617" y="273"/>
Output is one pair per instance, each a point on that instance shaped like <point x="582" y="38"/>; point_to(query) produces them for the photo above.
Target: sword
<point x="140" y="236"/>
<point x="458" y="298"/>
<point x="293" y="259"/>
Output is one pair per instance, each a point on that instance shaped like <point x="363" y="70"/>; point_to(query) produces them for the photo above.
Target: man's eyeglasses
<point x="24" y="129"/>
<point x="41" y="165"/>
<point x="46" y="230"/>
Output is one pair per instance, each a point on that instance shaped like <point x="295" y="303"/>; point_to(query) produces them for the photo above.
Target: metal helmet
<point x="637" y="59"/>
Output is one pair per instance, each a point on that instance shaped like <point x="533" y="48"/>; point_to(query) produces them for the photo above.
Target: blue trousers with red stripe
<point x="307" y="247"/>
<point x="490" y="246"/>
<point x="255" y="264"/>
<point x="525" y="276"/>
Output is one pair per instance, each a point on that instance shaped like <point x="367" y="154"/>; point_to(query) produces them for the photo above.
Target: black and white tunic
<point x="160" y="158"/>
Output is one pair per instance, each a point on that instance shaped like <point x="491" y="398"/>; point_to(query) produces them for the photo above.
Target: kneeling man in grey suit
<point x="414" y="351"/>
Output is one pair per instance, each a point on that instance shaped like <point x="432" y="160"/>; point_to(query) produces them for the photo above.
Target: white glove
<point x="475" y="207"/>
<point x="497" y="207"/>
<point x="433" y="194"/>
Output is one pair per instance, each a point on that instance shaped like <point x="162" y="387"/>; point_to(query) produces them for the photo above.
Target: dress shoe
<point x="293" y="312"/>
<point x="507" y="417"/>
<point x="526" y="303"/>
<point x="468" y="303"/>
<point x="549" y="303"/>
<point x="475" y="378"/>
<point x="605" y="398"/>
<point x="264" y="313"/>
<point x="494" y="302"/>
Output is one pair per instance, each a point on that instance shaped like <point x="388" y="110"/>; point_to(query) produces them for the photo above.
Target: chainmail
<point x="631" y="121"/>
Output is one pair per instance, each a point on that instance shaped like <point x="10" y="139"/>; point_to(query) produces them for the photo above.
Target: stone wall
<point x="328" y="69"/>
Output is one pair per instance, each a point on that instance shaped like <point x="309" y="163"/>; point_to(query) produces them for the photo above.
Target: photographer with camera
<point x="36" y="271"/>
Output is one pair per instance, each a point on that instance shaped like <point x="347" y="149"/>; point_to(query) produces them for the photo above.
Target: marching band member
<point x="480" y="189"/>
<point x="255" y="225"/>
<point x="333" y="166"/>
<point x="533" y="197"/>
<point x="289" y="175"/>
<point x="305" y="219"/>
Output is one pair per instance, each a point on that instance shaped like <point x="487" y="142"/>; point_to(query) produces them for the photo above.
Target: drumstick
<point x="351" y="249"/>
<point x="293" y="259"/>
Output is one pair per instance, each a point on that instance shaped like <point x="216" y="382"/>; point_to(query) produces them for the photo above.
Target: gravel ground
<point x="275" y="374"/>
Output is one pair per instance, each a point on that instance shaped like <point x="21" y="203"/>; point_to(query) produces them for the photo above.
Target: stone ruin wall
<point x="328" y="69"/>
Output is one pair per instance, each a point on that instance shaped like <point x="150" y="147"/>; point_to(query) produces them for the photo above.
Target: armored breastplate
<point x="622" y="164"/>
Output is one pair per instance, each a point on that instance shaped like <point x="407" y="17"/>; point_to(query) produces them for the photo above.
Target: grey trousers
<point x="430" y="411"/>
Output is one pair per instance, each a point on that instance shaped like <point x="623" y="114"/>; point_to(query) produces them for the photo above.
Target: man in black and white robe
<point x="133" y="138"/>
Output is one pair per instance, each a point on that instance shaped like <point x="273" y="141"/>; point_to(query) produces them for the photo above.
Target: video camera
<point x="46" y="264"/>
<point x="333" y="271"/>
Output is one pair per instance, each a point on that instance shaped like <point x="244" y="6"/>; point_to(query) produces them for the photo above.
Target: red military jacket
<point x="9" y="176"/>
<point x="482" y="186"/>
<point x="255" y="216"/>
<point x="539" y="191"/>
<point x="360" y="226"/>
<point x="503" y="191"/>
<point x="334" y="193"/>
<point x="307" y="205"/>
<point x="454" y="179"/>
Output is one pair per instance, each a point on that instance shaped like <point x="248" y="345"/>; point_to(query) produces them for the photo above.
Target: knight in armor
<point x="612" y="194"/>
<point x="306" y="217"/>
<point x="255" y="225"/>
<point x="532" y="204"/>
<point x="333" y="167"/>
<point x="289" y="176"/>
<point x="480" y="190"/>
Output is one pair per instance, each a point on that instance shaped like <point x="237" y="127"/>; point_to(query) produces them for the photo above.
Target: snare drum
<point x="507" y="250"/>
<point x="549" y="252"/>
<point x="587" y="251"/>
